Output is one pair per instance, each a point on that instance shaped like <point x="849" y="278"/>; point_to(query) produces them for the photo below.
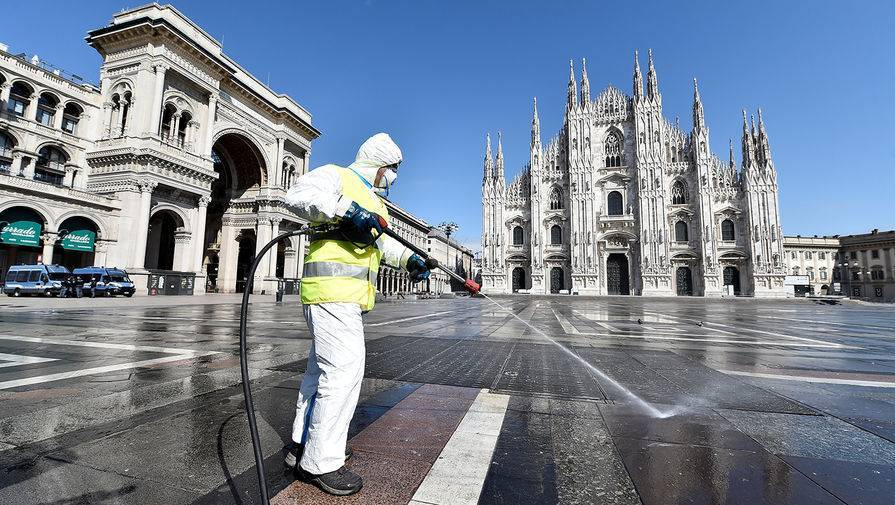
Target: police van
<point x="41" y="279"/>
<point x="109" y="281"/>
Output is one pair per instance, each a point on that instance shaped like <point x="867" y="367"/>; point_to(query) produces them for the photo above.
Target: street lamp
<point x="449" y="227"/>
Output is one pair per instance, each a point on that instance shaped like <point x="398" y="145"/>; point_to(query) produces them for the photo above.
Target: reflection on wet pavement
<point x="779" y="402"/>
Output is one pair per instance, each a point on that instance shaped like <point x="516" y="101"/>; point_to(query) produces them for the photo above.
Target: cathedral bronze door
<point x="684" y="281"/>
<point x="617" y="282"/>
<point x="732" y="278"/>
<point x="556" y="280"/>
<point x="518" y="279"/>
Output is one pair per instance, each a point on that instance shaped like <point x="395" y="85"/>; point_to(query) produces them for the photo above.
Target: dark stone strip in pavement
<point x="394" y="453"/>
<point x="522" y="467"/>
<point x="678" y="473"/>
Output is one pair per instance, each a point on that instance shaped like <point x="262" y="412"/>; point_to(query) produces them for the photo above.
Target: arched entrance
<point x="617" y="277"/>
<point x="228" y="237"/>
<point x="684" y="281"/>
<point x="75" y="243"/>
<point x="21" y="238"/>
<point x="556" y="280"/>
<point x="732" y="278"/>
<point x="161" y="241"/>
<point x="518" y="279"/>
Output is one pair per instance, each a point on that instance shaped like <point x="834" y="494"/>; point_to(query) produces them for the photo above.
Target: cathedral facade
<point x="623" y="202"/>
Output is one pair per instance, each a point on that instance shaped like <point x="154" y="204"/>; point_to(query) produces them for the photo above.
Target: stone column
<point x="199" y="234"/>
<point x="271" y="259"/>
<point x="99" y="253"/>
<point x="227" y="258"/>
<point x="31" y="110"/>
<point x="182" y="258"/>
<point x="158" y="94"/>
<point x="278" y="171"/>
<point x="289" y="264"/>
<point x="209" y="124"/>
<point x="47" y="253"/>
<point x="16" y="167"/>
<point x="122" y="116"/>
<point x="68" y="178"/>
<point x="4" y="94"/>
<point x="262" y="237"/>
<point x="142" y="232"/>
<point x="300" y="255"/>
<point x="57" y="117"/>
<point x="173" y="127"/>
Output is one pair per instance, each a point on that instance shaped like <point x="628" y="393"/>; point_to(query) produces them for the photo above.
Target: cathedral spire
<point x="535" y="126"/>
<point x="763" y="144"/>
<point x="638" y="79"/>
<point x="501" y="181"/>
<point x="747" y="142"/>
<point x="698" y="113"/>
<point x="573" y="88"/>
<point x="585" y="83"/>
<point x="489" y="164"/>
<point x="652" y="82"/>
<point x="733" y="161"/>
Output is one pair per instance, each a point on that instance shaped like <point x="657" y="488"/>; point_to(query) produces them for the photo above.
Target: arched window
<point x="71" y="115"/>
<point x="727" y="230"/>
<point x="184" y="127"/>
<point x="556" y="202"/>
<point x="821" y="255"/>
<point x="289" y="173"/>
<point x="19" y="98"/>
<point x="681" y="232"/>
<point x="168" y="114"/>
<point x="517" y="235"/>
<point x="50" y="165"/>
<point x="808" y="255"/>
<point x="679" y="193"/>
<point x="556" y="235"/>
<point x="6" y="145"/>
<point x="46" y="109"/>
<point x="614" y="204"/>
<point x="612" y="148"/>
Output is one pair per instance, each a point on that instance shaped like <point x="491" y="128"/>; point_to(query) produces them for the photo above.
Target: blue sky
<point x="437" y="75"/>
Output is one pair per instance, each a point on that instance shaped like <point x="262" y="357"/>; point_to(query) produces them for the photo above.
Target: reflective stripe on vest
<point x="336" y="270"/>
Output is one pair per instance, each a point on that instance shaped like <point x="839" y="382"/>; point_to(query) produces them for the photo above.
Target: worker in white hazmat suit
<point x="338" y="286"/>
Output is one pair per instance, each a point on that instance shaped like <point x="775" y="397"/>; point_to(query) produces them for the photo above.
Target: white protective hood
<point x="378" y="151"/>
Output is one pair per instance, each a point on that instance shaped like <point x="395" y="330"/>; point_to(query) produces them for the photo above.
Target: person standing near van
<point x="93" y="287"/>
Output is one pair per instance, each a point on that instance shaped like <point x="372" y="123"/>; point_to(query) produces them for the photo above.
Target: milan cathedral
<point x="623" y="202"/>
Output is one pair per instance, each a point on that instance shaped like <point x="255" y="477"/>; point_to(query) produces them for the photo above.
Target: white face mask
<point x="385" y="182"/>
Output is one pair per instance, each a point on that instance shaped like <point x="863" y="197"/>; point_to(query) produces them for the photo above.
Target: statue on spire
<point x="489" y="164"/>
<point x="535" y="126"/>
<point x="573" y="88"/>
<point x="500" y="172"/>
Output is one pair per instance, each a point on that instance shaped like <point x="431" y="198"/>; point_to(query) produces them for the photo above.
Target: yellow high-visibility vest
<point x="336" y="270"/>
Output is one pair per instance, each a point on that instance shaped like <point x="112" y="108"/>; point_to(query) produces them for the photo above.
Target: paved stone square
<point x="747" y="401"/>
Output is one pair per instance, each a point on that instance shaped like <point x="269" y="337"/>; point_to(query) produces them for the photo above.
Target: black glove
<point x="360" y="225"/>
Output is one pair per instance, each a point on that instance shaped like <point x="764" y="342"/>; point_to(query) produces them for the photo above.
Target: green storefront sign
<point x="21" y="233"/>
<point x="79" y="240"/>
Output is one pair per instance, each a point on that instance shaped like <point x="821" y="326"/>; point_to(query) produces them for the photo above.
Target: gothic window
<point x="556" y="199"/>
<point x="679" y="193"/>
<point x="727" y="230"/>
<point x="614" y="204"/>
<point x="517" y="235"/>
<point x="681" y="232"/>
<point x="556" y="235"/>
<point x="612" y="148"/>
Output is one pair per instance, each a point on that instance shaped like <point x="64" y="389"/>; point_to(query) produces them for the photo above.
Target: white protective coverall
<point x="331" y="385"/>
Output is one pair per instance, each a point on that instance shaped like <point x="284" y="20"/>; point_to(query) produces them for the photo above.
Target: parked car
<point x="109" y="281"/>
<point x="38" y="279"/>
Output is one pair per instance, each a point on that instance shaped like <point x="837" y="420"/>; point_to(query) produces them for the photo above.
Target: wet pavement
<point x="777" y="402"/>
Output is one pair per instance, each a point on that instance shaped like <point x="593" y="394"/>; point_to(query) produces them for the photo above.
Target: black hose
<point x="244" y="365"/>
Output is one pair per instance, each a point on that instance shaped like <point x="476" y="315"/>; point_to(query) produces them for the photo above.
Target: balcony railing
<point x="48" y="177"/>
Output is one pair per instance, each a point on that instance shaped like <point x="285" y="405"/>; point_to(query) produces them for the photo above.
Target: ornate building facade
<point x="622" y="201"/>
<point x="175" y="167"/>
